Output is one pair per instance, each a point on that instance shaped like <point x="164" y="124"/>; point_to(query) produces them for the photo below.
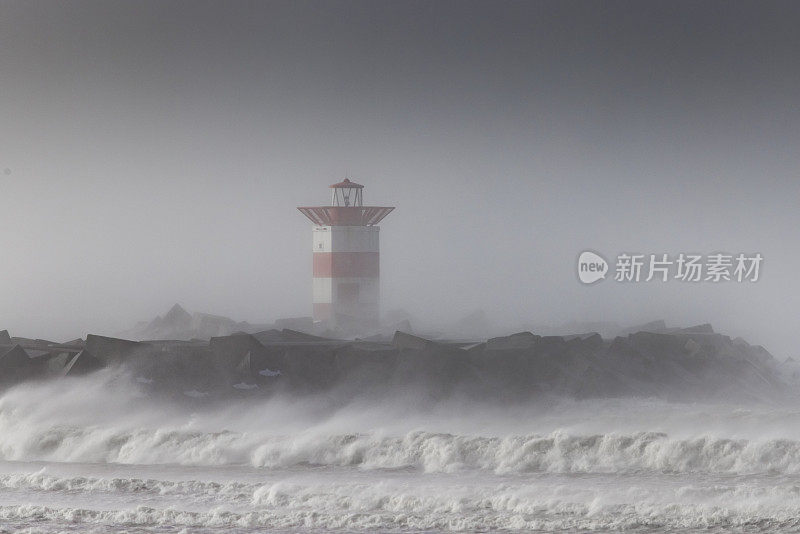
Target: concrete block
<point x="114" y="350"/>
<point x="401" y="340"/>
<point x="520" y="340"/>
<point x="81" y="364"/>
<point x="16" y="365"/>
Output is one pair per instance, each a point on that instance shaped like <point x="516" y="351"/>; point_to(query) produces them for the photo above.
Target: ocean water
<point x="100" y="454"/>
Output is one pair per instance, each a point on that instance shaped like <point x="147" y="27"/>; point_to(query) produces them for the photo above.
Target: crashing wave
<point x="429" y="452"/>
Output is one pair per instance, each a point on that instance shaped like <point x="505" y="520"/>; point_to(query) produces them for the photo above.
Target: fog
<point x="154" y="152"/>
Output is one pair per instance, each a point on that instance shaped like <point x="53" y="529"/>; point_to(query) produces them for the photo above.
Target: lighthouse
<point x="346" y="260"/>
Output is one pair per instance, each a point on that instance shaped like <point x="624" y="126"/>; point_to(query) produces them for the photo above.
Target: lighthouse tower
<point x="346" y="260"/>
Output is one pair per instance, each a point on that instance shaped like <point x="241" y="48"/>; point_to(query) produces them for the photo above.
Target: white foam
<point x="312" y="464"/>
<point x="380" y="506"/>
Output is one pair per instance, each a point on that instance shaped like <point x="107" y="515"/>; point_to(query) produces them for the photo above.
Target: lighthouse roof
<point x="346" y="183"/>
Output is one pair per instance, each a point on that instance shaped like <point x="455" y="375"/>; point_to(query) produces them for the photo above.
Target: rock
<point x="179" y="364"/>
<point x="178" y="324"/>
<point x="621" y="346"/>
<point x="5" y="339"/>
<point x="113" y="350"/>
<point x="658" y="326"/>
<point x="591" y="340"/>
<point x="81" y="364"/>
<point x="241" y="356"/>
<point x="760" y="353"/>
<point x="56" y="364"/>
<point x="699" y="329"/>
<point x="387" y="331"/>
<point x="294" y="335"/>
<point x="16" y="366"/>
<point x="606" y="329"/>
<point x="245" y="368"/>
<point x="711" y="343"/>
<point x="177" y="318"/>
<point x="231" y="349"/>
<point x="692" y="346"/>
<point x="655" y="344"/>
<point x="403" y="326"/>
<point x="302" y="324"/>
<point x="520" y="340"/>
<point x="404" y="341"/>
<point x="550" y="341"/>
<point x="208" y="326"/>
<point x="686" y="364"/>
<point x="269" y="336"/>
<point x="37" y="344"/>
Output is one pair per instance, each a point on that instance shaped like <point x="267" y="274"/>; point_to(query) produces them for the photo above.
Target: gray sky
<point x="157" y="152"/>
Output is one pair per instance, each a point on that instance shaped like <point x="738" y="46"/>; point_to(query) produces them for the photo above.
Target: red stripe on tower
<point x="346" y="264"/>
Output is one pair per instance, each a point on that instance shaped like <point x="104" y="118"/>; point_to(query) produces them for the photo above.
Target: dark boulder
<point x="520" y="340"/>
<point x="81" y="364"/>
<point x="404" y="341"/>
<point x="16" y="366"/>
<point x="114" y="350"/>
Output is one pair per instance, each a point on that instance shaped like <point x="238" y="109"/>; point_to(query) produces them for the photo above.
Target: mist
<point x="154" y="153"/>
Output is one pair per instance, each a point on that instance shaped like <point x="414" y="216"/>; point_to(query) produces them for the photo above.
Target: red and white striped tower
<point x="346" y="258"/>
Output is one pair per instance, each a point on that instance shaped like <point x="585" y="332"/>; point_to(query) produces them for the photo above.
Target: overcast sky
<point x="155" y="152"/>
